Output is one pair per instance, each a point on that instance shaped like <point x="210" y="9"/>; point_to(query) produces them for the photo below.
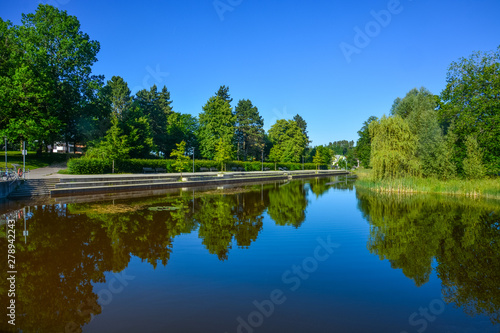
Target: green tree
<point x="156" y="106"/>
<point x="249" y="130"/>
<point x="135" y="125"/>
<point x="223" y="93"/>
<point x="471" y="101"/>
<point x="119" y="95"/>
<point x="288" y="141"/>
<point x="181" y="127"/>
<point x="317" y="159"/>
<point x="114" y="146"/>
<point x="303" y="126"/>
<point x="181" y="160"/>
<point x="393" y="148"/>
<point x="54" y="61"/>
<point x="223" y="153"/>
<point x="363" y="145"/>
<point x="215" y="122"/>
<point x="473" y="163"/>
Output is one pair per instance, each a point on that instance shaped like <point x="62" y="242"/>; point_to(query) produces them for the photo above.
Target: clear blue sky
<point x="285" y="56"/>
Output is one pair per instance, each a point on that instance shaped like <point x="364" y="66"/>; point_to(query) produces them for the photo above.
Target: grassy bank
<point x="33" y="161"/>
<point x="487" y="187"/>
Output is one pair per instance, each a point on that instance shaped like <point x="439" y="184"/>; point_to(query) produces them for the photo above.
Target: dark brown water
<point x="312" y="255"/>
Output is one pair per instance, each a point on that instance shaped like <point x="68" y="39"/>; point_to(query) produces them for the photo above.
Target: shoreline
<point x="478" y="188"/>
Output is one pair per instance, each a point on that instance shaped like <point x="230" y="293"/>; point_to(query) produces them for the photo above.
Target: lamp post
<point x="193" y="159"/>
<point x="5" y="153"/>
<point x="24" y="159"/>
<point x="262" y="160"/>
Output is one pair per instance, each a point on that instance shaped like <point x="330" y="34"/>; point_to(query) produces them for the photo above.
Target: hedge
<point x="92" y="166"/>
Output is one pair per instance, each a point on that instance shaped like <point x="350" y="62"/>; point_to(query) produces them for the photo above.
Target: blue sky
<point x="287" y="57"/>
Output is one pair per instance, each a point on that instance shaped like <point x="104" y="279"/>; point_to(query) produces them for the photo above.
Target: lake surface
<point x="314" y="255"/>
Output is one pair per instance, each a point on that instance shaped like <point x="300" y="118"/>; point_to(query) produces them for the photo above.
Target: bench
<point x="234" y="169"/>
<point x="203" y="169"/>
<point x="213" y="169"/>
<point x="266" y="169"/>
<point x="241" y="169"/>
<point x="161" y="170"/>
<point x="146" y="170"/>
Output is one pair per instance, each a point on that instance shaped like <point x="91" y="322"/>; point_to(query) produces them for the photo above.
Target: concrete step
<point x="34" y="187"/>
<point x="112" y="182"/>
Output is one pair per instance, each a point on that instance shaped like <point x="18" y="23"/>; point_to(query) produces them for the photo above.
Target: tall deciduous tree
<point x="393" y="148"/>
<point x="363" y="145"/>
<point x="471" y="100"/>
<point x="288" y="141"/>
<point x="53" y="67"/>
<point x="181" y="160"/>
<point x="223" y="153"/>
<point x="216" y="122"/>
<point x="249" y="130"/>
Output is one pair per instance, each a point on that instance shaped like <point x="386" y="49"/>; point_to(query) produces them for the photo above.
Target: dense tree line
<point x="48" y="95"/>
<point x="455" y="134"/>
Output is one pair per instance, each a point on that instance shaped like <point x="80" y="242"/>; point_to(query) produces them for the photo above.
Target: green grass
<point x="33" y="161"/>
<point x="486" y="187"/>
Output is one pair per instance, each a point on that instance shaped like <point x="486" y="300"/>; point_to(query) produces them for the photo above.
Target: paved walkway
<point x="47" y="172"/>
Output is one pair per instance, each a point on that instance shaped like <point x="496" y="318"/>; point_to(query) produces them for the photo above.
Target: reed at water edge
<point x="476" y="188"/>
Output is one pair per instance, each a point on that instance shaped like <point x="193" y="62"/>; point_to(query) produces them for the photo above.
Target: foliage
<point x="46" y="85"/>
<point x="317" y="159"/>
<point x="470" y="100"/>
<point x="118" y="95"/>
<point x="288" y="141"/>
<point x="363" y="145"/>
<point x="223" y="153"/>
<point x="215" y="122"/>
<point x="303" y="127"/>
<point x="156" y="107"/>
<point x="456" y="237"/>
<point x="393" y="148"/>
<point x="181" y="127"/>
<point x="473" y="163"/>
<point x="249" y="131"/>
<point x="413" y="105"/>
<point x="181" y="160"/>
<point x="481" y="188"/>
<point x="341" y="147"/>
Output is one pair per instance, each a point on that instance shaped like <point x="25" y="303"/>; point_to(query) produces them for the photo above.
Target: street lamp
<point x="5" y="153"/>
<point x="262" y="159"/>
<point x="193" y="159"/>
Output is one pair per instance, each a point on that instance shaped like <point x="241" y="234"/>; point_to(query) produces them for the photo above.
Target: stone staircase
<point x="34" y="188"/>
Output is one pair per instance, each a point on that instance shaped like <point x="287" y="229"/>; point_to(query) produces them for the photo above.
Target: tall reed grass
<point x="485" y="188"/>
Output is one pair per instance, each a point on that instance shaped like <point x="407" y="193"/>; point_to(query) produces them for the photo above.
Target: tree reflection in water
<point x="461" y="235"/>
<point x="72" y="246"/>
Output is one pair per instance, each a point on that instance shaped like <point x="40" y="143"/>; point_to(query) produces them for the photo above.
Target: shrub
<point x="89" y="166"/>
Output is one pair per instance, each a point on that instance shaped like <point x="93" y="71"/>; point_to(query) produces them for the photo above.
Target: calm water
<point x="312" y="255"/>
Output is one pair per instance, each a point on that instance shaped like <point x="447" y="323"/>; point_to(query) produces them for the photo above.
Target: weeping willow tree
<point x="393" y="148"/>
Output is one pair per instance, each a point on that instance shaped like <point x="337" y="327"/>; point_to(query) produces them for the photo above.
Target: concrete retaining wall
<point x="211" y="181"/>
<point x="7" y="187"/>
